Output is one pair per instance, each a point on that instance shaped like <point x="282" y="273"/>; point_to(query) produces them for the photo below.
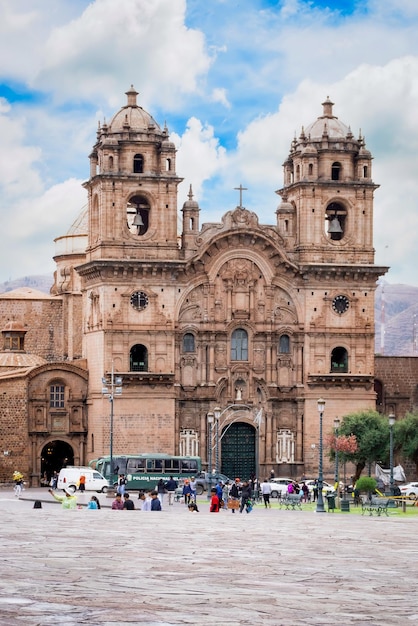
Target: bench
<point x="377" y="506"/>
<point x="291" y="501"/>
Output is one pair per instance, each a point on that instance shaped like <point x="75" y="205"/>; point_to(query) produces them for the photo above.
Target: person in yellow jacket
<point x="68" y="501"/>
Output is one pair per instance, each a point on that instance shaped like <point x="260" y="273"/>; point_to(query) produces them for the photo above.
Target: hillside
<point x="396" y="306"/>
<point x="396" y="311"/>
<point x="42" y="282"/>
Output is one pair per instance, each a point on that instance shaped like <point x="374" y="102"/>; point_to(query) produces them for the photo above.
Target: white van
<point x="69" y="477"/>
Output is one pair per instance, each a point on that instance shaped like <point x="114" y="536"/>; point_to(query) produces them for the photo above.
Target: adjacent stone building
<point x="255" y="320"/>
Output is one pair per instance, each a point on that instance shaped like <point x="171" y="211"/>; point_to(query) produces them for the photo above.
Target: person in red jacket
<point x="214" y="502"/>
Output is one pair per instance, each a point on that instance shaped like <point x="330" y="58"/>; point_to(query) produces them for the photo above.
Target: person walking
<point x="187" y="492"/>
<point x="193" y="487"/>
<point x="245" y="496"/>
<point x="266" y="493"/>
<point x="214" y="501"/>
<point x="315" y="490"/>
<point x="121" y="484"/>
<point x="171" y="486"/>
<point x="234" y="493"/>
<point x="54" y="480"/>
<point x="219" y="489"/>
<point x="18" y="486"/>
<point x="82" y="483"/>
<point x="160" y="489"/>
<point x="305" y="492"/>
<point x="68" y="500"/>
<point x="225" y="495"/>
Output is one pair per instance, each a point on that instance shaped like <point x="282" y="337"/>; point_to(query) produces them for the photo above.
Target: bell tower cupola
<point x="132" y="190"/>
<point x="328" y="181"/>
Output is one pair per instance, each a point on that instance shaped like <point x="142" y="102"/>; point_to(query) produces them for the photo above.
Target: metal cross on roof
<point x="240" y="189"/>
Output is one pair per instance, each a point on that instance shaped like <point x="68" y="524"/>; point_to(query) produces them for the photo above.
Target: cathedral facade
<point x="248" y="322"/>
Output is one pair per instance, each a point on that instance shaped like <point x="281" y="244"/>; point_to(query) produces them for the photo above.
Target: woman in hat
<point x="68" y="500"/>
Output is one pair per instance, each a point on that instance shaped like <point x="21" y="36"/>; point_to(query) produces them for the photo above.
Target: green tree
<point x="406" y="437"/>
<point x="372" y="435"/>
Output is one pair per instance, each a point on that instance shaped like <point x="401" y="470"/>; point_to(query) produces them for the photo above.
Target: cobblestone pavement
<point x="271" y="567"/>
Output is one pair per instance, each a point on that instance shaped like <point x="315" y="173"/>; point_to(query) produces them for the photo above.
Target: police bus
<point x="143" y="471"/>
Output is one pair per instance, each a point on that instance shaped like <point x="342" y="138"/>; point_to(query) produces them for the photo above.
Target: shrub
<point x="366" y="483"/>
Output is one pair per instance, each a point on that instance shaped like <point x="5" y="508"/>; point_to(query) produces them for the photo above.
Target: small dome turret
<point x="132" y="117"/>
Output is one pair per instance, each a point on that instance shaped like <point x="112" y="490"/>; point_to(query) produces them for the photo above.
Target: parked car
<point x="69" y="477"/>
<point x="279" y="486"/>
<point x="326" y="487"/>
<point x="202" y="481"/>
<point x="410" y="490"/>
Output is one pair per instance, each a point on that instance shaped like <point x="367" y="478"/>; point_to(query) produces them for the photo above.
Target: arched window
<point x="310" y="169"/>
<point x="298" y="172"/>
<point x="168" y="165"/>
<point x="56" y="396"/>
<point x="339" y="361"/>
<point x="138" y="358"/>
<point x="239" y="345"/>
<point x="365" y="171"/>
<point x="137" y="215"/>
<point x="111" y="163"/>
<point x="335" y="171"/>
<point x="138" y="164"/>
<point x="378" y="387"/>
<point x="188" y="342"/>
<point x="284" y="344"/>
<point x="335" y="218"/>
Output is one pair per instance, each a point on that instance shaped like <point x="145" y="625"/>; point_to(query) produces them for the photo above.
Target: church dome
<point x="132" y="116"/>
<point x="327" y="124"/>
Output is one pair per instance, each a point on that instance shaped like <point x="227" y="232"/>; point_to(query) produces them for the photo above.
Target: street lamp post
<point x="336" y="478"/>
<point x="210" y="418"/>
<point x="392" y="420"/>
<point x="112" y="387"/>
<point x="217" y="413"/>
<point x="320" y="502"/>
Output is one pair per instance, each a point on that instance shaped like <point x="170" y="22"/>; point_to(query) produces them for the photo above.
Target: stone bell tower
<point x="128" y="279"/>
<point x="132" y="188"/>
<point x="326" y="220"/>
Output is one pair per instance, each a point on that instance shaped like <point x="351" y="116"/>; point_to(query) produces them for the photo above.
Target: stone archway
<point x="55" y="455"/>
<point x="238" y="451"/>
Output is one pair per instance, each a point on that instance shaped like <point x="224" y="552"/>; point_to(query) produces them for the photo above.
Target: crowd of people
<point x="238" y="496"/>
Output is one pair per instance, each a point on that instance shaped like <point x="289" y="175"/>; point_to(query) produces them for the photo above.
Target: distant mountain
<point x="396" y="313"/>
<point x="42" y="282"/>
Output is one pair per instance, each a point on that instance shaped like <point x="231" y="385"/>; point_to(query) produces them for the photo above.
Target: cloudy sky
<point x="233" y="79"/>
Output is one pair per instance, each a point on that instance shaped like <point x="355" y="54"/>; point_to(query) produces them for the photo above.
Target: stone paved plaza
<point x="271" y="567"/>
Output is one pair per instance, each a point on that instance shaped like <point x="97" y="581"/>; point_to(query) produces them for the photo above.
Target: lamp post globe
<point x="320" y="502"/>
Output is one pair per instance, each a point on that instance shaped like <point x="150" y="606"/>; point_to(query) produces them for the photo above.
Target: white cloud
<point x="388" y="120"/>
<point x="219" y="95"/>
<point x="113" y="44"/>
<point x="38" y="220"/>
<point x="199" y="157"/>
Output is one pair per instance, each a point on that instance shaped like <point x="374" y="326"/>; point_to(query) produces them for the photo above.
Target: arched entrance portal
<point x="238" y="454"/>
<point x="54" y="456"/>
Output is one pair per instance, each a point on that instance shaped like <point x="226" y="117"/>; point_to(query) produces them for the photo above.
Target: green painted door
<point x="238" y="451"/>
